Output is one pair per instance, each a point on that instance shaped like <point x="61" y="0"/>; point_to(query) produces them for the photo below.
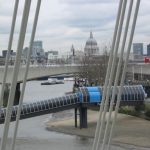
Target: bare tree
<point x="94" y="68"/>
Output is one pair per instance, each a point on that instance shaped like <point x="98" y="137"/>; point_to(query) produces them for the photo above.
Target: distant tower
<point x="138" y="50"/>
<point x="148" y="50"/>
<point x="73" y="50"/>
<point x="37" y="49"/>
<point x="91" y="47"/>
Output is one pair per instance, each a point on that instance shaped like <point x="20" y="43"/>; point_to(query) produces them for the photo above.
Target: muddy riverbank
<point x="129" y="130"/>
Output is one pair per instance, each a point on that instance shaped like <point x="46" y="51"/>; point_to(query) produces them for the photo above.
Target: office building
<point x="138" y="50"/>
<point x="148" y="50"/>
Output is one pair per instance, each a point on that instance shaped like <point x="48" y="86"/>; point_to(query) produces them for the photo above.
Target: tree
<point x="94" y="69"/>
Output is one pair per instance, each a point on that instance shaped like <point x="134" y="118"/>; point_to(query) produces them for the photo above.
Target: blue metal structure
<point x="132" y="95"/>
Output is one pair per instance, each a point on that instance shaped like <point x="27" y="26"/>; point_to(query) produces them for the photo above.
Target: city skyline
<point x="66" y="22"/>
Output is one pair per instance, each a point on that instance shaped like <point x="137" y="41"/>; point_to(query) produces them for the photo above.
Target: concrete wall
<point x="139" y="68"/>
<point x="42" y="71"/>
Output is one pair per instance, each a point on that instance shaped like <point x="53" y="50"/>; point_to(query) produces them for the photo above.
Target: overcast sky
<point x="66" y="22"/>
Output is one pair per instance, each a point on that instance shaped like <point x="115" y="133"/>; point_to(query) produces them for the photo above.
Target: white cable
<point x="111" y="74"/>
<point x="124" y="72"/>
<point x="107" y="76"/>
<point x="117" y="74"/>
<point x="15" y="74"/>
<point x="26" y="73"/>
<point x="8" y="51"/>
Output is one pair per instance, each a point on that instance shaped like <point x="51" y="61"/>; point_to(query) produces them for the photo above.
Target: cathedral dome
<point x="91" y="40"/>
<point x="91" y="46"/>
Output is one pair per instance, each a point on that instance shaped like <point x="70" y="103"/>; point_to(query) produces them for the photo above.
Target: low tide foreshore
<point x="129" y="130"/>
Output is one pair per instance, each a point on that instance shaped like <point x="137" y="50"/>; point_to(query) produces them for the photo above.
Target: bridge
<point x="112" y="98"/>
<point x="36" y="72"/>
<point x="86" y="96"/>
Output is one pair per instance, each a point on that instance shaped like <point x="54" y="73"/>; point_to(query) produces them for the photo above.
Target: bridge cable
<point x="124" y="72"/>
<point x="117" y="75"/>
<point x="9" y="51"/>
<point x="26" y="73"/>
<point x="15" y="73"/>
<point x="112" y="73"/>
<point x="107" y="76"/>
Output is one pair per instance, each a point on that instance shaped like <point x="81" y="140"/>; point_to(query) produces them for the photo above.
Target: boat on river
<point x="53" y="82"/>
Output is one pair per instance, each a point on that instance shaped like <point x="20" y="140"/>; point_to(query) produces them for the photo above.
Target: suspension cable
<point x="15" y="73"/>
<point x="124" y="71"/>
<point x="117" y="74"/>
<point x="107" y="75"/>
<point x="8" y="51"/>
<point x="112" y="72"/>
<point x="26" y="73"/>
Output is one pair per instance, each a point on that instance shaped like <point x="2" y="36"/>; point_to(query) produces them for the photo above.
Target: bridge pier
<point x="83" y="117"/>
<point x="6" y="94"/>
<point x="76" y="117"/>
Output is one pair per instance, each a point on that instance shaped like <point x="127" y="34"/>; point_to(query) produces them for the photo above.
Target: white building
<point x="53" y="55"/>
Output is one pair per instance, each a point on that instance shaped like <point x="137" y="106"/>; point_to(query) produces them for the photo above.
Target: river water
<point x="32" y="134"/>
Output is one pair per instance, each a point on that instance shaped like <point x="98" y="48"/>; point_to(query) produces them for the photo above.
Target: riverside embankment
<point x="32" y="133"/>
<point x="129" y="130"/>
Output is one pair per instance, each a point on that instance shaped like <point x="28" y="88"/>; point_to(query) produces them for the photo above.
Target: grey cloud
<point x="77" y="2"/>
<point x="88" y="23"/>
<point x="66" y="21"/>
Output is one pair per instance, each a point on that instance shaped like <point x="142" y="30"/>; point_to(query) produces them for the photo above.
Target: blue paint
<point x="92" y="89"/>
<point x="95" y="97"/>
<point x="94" y="94"/>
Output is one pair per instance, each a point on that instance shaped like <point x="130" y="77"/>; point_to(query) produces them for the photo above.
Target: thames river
<point x="32" y="134"/>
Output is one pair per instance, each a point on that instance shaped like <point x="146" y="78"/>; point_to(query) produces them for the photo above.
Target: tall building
<point x="72" y="50"/>
<point x="4" y="53"/>
<point x="91" y="47"/>
<point x="37" y="53"/>
<point x="37" y="49"/>
<point x="138" y="50"/>
<point x="148" y="50"/>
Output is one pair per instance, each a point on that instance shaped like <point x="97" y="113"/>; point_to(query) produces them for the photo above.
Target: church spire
<point x="91" y="35"/>
<point x="73" y="50"/>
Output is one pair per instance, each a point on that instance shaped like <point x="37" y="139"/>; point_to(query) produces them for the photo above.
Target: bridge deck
<point x="53" y="105"/>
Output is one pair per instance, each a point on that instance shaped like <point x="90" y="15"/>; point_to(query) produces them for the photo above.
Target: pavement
<point x="129" y="130"/>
